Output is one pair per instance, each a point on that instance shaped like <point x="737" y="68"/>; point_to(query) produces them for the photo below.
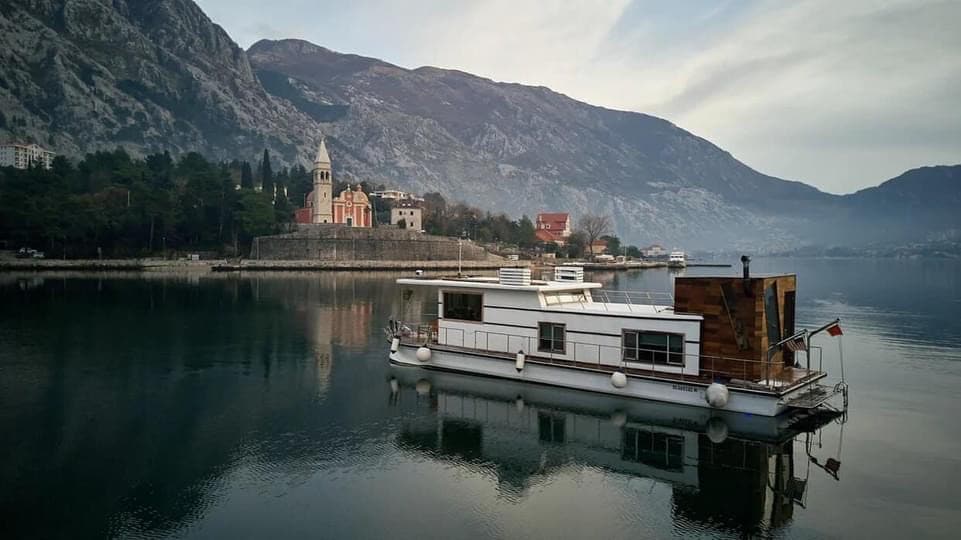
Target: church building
<point x="351" y="207"/>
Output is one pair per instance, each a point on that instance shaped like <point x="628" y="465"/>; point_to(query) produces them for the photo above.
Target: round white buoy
<point x="422" y="387"/>
<point x="619" y="418"/>
<point x="717" y="430"/>
<point x="619" y="379"/>
<point x="394" y="387"/>
<point x="519" y="361"/>
<point x="394" y="344"/>
<point x="519" y="404"/>
<point x="716" y="395"/>
<point x="423" y="354"/>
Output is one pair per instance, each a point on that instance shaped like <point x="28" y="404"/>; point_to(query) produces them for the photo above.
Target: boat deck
<point x="788" y="380"/>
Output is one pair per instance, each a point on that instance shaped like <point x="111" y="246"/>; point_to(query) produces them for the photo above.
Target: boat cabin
<point x="714" y="328"/>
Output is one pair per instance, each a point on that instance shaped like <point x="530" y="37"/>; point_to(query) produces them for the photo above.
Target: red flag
<point x="834" y="329"/>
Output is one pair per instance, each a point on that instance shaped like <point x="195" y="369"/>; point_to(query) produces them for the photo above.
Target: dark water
<point x="228" y="407"/>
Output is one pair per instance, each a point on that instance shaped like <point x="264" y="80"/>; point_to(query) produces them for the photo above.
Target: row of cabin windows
<point x="636" y="345"/>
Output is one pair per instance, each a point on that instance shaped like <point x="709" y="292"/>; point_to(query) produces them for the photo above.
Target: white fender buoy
<point x="716" y="395"/>
<point x="422" y="387"/>
<point x="519" y="404"/>
<point x="394" y="387"/>
<point x="619" y="379"/>
<point x="619" y="418"/>
<point x="394" y="345"/>
<point x="519" y="362"/>
<point x="717" y="430"/>
<point x="423" y="354"/>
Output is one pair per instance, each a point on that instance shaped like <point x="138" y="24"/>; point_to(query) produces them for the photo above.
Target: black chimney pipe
<point x="746" y="261"/>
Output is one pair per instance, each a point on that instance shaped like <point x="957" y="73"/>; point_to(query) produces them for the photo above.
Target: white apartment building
<point x="22" y="155"/>
<point x="394" y="195"/>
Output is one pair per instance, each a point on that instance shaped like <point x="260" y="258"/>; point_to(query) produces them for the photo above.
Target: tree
<point x="576" y="244"/>
<point x="594" y="226"/>
<point x="613" y="244"/>
<point x="633" y="252"/>
<point x="246" y="176"/>
<point x="266" y="175"/>
<point x="254" y="215"/>
<point x="526" y="233"/>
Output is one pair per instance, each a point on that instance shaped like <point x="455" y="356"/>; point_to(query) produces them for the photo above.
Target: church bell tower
<point x="322" y="204"/>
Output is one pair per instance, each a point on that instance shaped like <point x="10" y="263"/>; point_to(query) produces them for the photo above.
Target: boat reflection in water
<point x="729" y="471"/>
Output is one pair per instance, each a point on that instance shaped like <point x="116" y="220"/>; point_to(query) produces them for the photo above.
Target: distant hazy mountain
<point x="922" y="204"/>
<point x="81" y="75"/>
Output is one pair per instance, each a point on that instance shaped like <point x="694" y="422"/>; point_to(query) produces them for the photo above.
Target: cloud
<point x="838" y="94"/>
<point x="803" y="90"/>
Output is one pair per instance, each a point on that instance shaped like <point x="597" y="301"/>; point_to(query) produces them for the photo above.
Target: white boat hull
<point x="670" y="391"/>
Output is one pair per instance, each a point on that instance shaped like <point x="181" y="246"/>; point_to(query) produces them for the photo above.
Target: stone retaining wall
<point x="341" y="243"/>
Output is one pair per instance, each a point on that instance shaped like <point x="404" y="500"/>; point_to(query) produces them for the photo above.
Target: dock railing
<point x="736" y="372"/>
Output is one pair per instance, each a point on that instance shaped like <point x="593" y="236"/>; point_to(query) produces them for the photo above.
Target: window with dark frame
<point x="551" y="337"/>
<point x="463" y="306"/>
<point x="653" y="348"/>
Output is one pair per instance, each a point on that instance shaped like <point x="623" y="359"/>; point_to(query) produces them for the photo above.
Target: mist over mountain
<point x="83" y="75"/>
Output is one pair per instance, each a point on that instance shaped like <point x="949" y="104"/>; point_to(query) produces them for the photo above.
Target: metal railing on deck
<point x="641" y="298"/>
<point x="737" y="372"/>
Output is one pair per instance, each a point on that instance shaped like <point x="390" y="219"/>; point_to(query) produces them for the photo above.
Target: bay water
<point x="263" y="406"/>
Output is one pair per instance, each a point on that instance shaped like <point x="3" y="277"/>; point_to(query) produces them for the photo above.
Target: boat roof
<point x="494" y="283"/>
<point x="626" y="310"/>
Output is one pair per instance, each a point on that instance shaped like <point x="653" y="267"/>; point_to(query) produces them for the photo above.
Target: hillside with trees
<point x="111" y="204"/>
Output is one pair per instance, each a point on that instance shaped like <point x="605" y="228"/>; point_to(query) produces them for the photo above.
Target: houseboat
<point x="677" y="259"/>
<point x="725" y="343"/>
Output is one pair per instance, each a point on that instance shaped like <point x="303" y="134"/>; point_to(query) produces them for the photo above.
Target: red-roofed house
<point x="553" y="227"/>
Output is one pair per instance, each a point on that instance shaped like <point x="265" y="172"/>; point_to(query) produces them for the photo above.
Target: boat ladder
<point x="817" y="395"/>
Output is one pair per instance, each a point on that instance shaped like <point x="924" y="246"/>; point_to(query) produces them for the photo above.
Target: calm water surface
<point x="255" y="407"/>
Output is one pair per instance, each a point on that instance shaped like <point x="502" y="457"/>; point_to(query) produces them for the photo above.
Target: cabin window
<point x="568" y="297"/>
<point x="463" y="306"/>
<point x="551" y="337"/>
<point x="653" y="348"/>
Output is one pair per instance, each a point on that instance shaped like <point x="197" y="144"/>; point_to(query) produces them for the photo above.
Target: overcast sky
<point x="841" y="95"/>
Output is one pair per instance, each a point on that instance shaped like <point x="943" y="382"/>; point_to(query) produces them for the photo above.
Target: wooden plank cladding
<point x="742" y="319"/>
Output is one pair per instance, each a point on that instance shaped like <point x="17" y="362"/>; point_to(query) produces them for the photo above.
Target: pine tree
<point x="267" y="178"/>
<point x="246" y="176"/>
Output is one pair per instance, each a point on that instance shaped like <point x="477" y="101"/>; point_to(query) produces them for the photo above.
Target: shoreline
<point x="252" y="265"/>
<point x="223" y="265"/>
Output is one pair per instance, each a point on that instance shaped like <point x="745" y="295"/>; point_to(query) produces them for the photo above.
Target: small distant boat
<point x="677" y="259"/>
<point x="725" y="343"/>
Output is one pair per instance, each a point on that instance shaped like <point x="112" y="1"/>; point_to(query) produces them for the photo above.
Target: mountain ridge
<point x="85" y="75"/>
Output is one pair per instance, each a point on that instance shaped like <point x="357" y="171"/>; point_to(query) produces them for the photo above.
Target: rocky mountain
<point x="521" y="149"/>
<point x="81" y="75"/>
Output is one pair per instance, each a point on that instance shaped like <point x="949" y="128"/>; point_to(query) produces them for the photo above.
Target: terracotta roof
<point x="544" y="235"/>
<point x="553" y="217"/>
